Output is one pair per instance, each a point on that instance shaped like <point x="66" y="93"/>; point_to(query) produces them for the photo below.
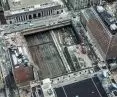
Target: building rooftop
<point x="45" y="22"/>
<point x="23" y="74"/>
<point x="23" y="4"/>
<point x="108" y="20"/>
<point x="92" y="87"/>
<point x="99" y="32"/>
<point x="88" y="14"/>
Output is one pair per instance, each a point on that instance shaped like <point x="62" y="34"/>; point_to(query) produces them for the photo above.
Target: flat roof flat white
<point x="22" y="4"/>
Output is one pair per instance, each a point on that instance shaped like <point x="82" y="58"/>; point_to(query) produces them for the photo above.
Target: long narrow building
<point x="102" y="28"/>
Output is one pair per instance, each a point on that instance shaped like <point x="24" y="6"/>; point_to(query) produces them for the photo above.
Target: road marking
<point x="64" y="91"/>
<point x="96" y="87"/>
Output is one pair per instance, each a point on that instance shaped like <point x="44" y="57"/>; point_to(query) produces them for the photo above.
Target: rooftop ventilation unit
<point x="16" y="2"/>
<point x="113" y="27"/>
<point x="100" y="9"/>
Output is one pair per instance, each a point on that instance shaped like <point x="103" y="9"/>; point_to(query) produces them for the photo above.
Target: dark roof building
<point x="81" y="4"/>
<point x="2" y="18"/>
<point x="87" y="88"/>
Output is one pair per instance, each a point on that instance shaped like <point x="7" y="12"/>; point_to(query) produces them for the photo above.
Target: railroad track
<point x="45" y="55"/>
<point x="47" y="52"/>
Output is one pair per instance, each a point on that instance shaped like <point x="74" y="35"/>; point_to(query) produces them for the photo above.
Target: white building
<point x="28" y="10"/>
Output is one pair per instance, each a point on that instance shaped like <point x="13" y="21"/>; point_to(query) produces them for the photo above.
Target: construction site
<point x="57" y="52"/>
<point x="51" y="50"/>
